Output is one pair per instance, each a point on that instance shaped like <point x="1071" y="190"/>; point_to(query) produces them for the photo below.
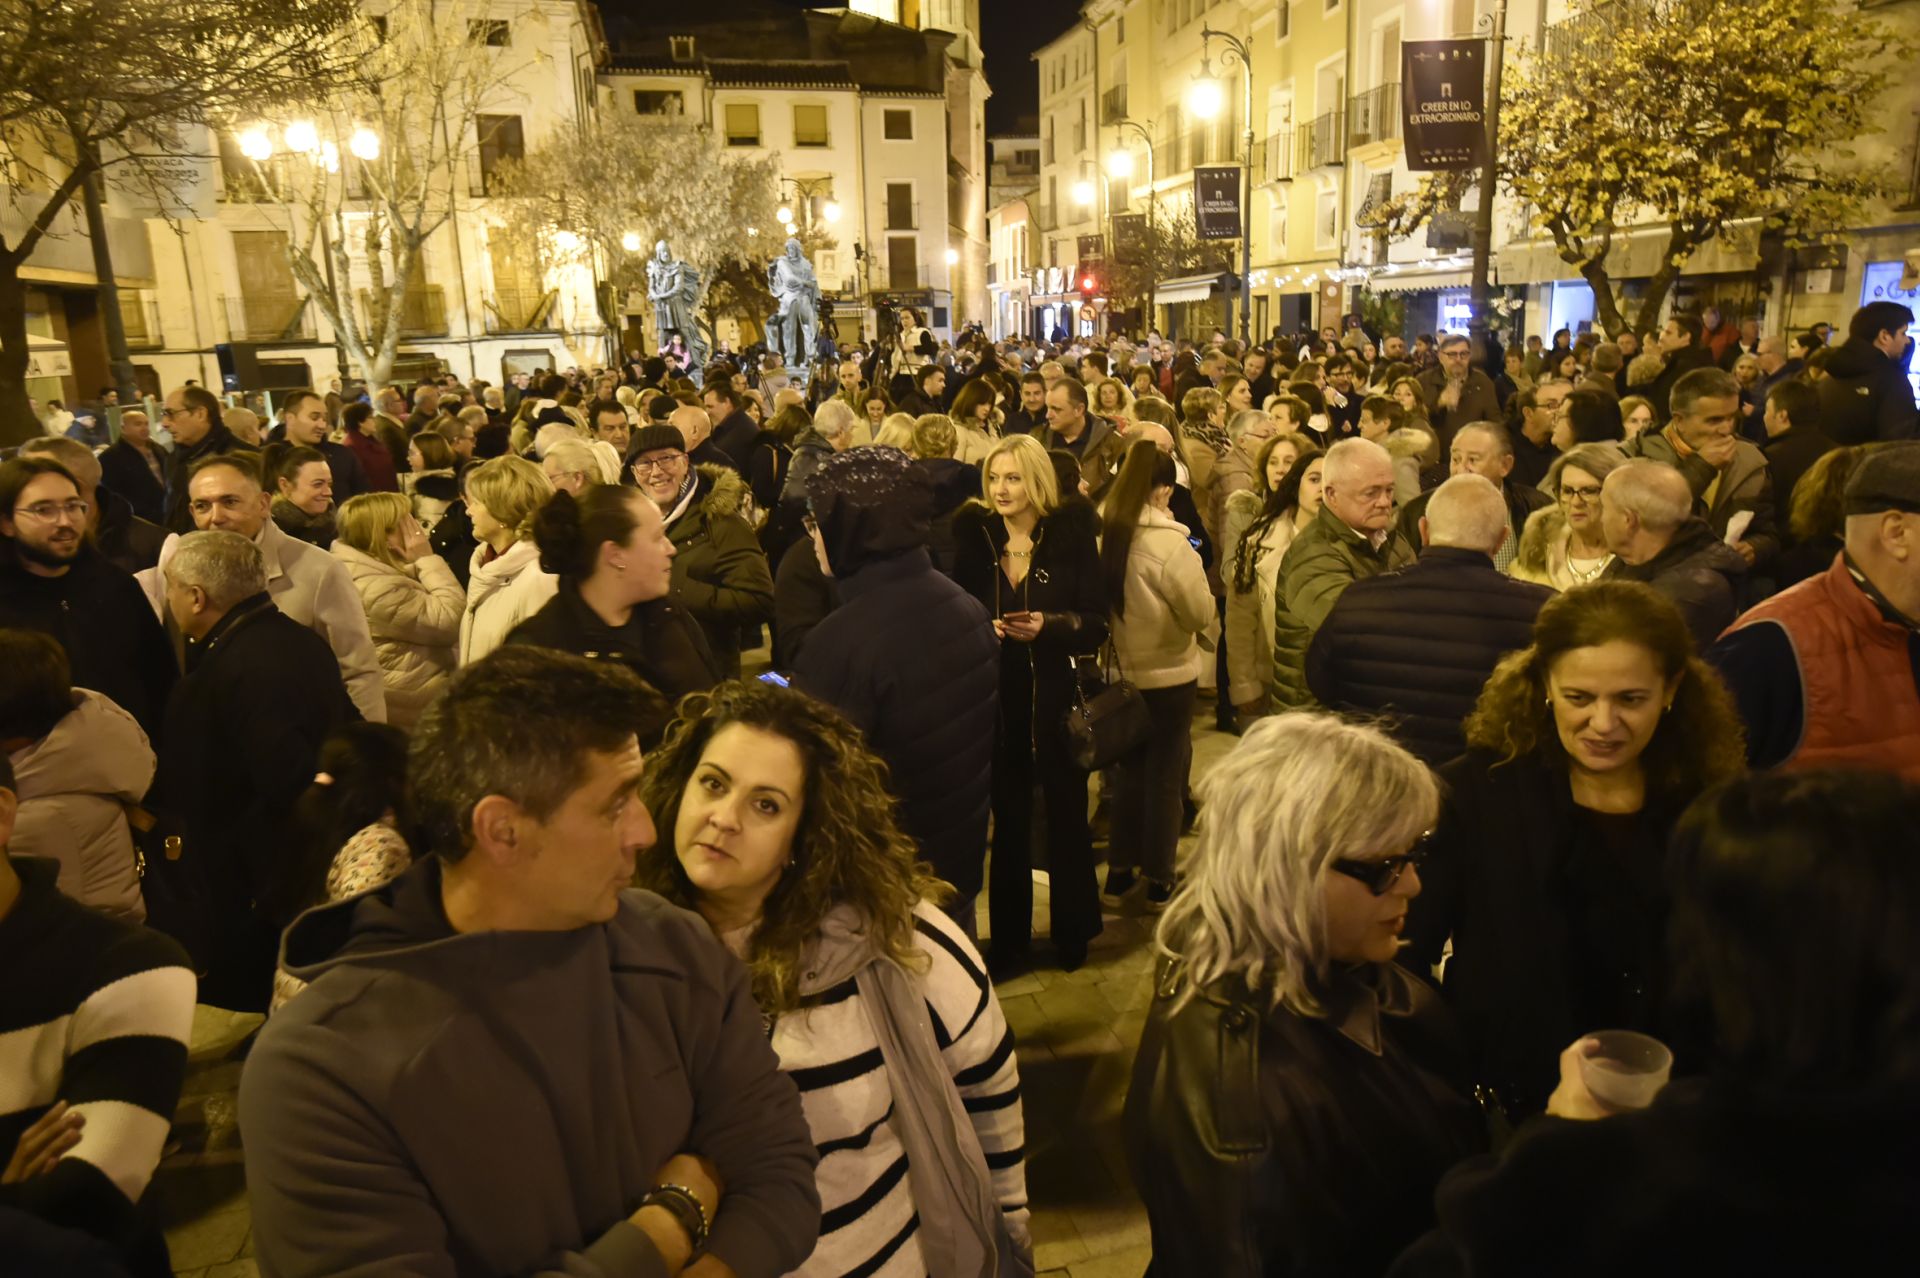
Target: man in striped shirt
<point x="93" y="1050"/>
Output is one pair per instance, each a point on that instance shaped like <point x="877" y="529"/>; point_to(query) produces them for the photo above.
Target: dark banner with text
<point x="1216" y="201"/>
<point x="1444" y="97"/>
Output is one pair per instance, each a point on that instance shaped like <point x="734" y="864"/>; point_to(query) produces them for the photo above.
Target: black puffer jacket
<point x="1865" y="397"/>
<point x="1269" y="1143"/>
<point x="912" y="660"/>
<point x="1418" y="644"/>
<point x="660" y="642"/>
<point x="1699" y="572"/>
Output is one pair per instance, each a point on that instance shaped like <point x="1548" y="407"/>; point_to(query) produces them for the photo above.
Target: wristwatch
<point x="682" y="1204"/>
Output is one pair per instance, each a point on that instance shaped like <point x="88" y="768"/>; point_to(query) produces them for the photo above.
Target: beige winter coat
<point x="415" y="614"/>
<point x="1250" y="613"/>
<point x="1168" y="605"/>
<point x="501" y="595"/>
<point x="73" y="784"/>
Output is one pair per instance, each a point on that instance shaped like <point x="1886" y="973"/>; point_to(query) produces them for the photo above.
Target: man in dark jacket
<point x="1645" y="511"/>
<point x="136" y="468"/>
<point x="1681" y="346"/>
<point x="261" y="693"/>
<point x="129" y="542"/>
<point x="1418" y="644"/>
<point x="733" y="428"/>
<point x="1457" y="393"/>
<point x="1865" y="395"/>
<point x="929" y="386"/>
<point x="303" y="415"/>
<point x="53" y="581"/>
<point x="1072" y="425"/>
<point x="512" y="982"/>
<point x="908" y="656"/>
<point x="1030" y="416"/>
<point x="1794" y="438"/>
<point x="192" y="414"/>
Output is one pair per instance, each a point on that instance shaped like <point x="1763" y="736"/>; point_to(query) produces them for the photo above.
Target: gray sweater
<point x="497" y="1103"/>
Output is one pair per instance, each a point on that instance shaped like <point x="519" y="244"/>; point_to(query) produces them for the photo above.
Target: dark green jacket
<point x="1324" y="559"/>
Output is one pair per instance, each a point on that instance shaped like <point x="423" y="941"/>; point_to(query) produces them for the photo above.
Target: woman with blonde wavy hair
<point x="1282" y="1024"/>
<point x="1546" y="869"/>
<point x="776" y="828"/>
<point x="506" y="584"/>
<point x="413" y="601"/>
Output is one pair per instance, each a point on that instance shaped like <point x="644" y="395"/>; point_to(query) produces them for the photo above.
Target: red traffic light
<point x="1088" y="284"/>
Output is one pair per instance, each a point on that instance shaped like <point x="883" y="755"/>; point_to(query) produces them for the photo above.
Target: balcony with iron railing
<point x="268" y="317"/>
<point x="1592" y="31"/>
<point x="423" y="311"/>
<point x="1273" y="159"/>
<point x="1374" y="116"/>
<point x="1323" y="140"/>
<point x="520" y="310"/>
<point x="903" y="215"/>
<point x="140" y="317"/>
<point x="1113" y="105"/>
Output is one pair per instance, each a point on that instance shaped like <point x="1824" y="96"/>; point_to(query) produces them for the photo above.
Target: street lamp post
<point x="1489" y="176"/>
<point x="1120" y="164"/>
<point x="1236" y="47"/>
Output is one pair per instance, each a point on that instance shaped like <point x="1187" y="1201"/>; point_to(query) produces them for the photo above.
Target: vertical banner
<point x="1443" y="96"/>
<point x="1129" y="236"/>
<point x="1093" y="248"/>
<point x="1216" y="201"/>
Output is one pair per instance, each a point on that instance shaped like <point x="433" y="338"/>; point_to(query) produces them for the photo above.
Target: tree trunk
<point x="17" y="424"/>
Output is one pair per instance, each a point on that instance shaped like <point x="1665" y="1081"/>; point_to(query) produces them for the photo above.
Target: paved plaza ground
<point x="1076" y="1034"/>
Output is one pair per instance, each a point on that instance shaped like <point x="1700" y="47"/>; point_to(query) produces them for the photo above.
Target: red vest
<point x="1860" y="708"/>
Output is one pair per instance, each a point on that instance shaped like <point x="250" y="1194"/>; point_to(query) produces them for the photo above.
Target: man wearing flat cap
<point x="908" y="656"/>
<point x="1827" y="674"/>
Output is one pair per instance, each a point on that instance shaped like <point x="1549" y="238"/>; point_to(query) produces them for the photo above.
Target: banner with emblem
<point x="1443" y="100"/>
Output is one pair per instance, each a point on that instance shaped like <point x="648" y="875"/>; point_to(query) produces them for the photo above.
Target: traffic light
<point x="1089" y="284"/>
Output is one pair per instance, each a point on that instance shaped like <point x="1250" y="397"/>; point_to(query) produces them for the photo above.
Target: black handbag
<point x="1108" y="720"/>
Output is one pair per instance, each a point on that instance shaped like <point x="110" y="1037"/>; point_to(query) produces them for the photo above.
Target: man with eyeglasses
<point x="192" y="415"/>
<point x="53" y="580"/>
<point x="1350" y="539"/>
<point x="305" y="582"/>
<point x="1457" y="393"/>
<point x="1533" y="450"/>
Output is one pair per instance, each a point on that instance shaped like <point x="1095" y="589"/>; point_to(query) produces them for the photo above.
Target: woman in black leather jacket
<point x="1035" y="563"/>
<point x="1297" y="1094"/>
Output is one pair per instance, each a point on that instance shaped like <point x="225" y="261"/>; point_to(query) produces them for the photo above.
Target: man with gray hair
<point x="261" y="693"/>
<point x="1646" y="516"/>
<point x="1350" y="539"/>
<point x="1416" y="645"/>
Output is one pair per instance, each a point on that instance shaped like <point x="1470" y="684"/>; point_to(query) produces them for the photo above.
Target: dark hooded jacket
<point x="954" y="484"/>
<point x="1699" y="572"/>
<point x="1865" y="396"/>
<point x="660" y="642"/>
<point x="908" y="656"/>
<point x="498" y="1102"/>
<point x="129" y="542"/>
<point x="124" y="469"/>
<point x="720" y="574"/>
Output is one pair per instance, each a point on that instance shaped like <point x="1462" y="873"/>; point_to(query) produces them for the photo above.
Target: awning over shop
<point x="1636" y="254"/>
<point x="1187" y="288"/>
<point x="47" y="357"/>
<point x="1418" y="281"/>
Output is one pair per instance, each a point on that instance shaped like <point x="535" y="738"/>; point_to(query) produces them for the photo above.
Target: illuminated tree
<point x="1699" y="115"/>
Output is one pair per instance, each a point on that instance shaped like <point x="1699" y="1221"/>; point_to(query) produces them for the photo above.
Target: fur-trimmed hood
<point x="1409" y="441"/>
<point x="718" y="491"/>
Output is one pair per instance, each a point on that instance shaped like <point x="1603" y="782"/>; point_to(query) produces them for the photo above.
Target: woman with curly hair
<point x="775" y="827"/>
<point x="1546" y="869"/>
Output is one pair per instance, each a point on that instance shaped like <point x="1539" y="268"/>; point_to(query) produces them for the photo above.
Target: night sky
<point x="1010" y="31"/>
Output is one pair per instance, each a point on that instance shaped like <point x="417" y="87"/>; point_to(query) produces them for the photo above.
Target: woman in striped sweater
<point x="775" y="825"/>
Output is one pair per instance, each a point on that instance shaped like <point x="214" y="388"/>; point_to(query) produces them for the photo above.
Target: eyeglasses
<point x="1584" y="496"/>
<point x="672" y="461"/>
<point x="1381" y="873"/>
<point x="48" y="512"/>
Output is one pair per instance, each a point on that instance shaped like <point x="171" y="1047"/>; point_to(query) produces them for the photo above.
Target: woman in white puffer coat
<point x="78" y="761"/>
<point x="506" y="585"/>
<point x="1161" y="605"/>
<point x="414" y="602"/>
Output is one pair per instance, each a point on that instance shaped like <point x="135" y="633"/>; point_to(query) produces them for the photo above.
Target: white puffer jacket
<point x="414" y="614"/>
<point x="73" y="784"/>
<point x="501" y="595"/>
<point x="1168" y="605"/>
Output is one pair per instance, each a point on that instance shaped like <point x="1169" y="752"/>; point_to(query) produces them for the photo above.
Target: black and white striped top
<point x="868" y="1225"/>
<point x="98" y="1013"/>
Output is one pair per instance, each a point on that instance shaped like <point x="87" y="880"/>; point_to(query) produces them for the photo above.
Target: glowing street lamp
<point x="364" y="144"/>
<point x="630" y="241"/>
<point x="1206" y="97"/>
<point x="1120" y="164"/>
<point x="566" y="241"/>
<point x="784" y="214"/>
<point x="953" y="257"/>
<point x="831" y="211"/>
<point x="303" y="137"/>
<point x="256" y="145"/>
<point x="1083" y="192"/>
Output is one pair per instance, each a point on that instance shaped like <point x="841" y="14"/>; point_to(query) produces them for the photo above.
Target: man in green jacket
<point x="1352" y="538"/>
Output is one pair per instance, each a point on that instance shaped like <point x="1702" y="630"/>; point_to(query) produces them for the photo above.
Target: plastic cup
<point x="1625" y="1070"/>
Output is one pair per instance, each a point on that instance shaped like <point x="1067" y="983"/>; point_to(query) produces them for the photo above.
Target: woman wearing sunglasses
<point x="1297" y="1094"/>
<point x="1547" y="869"/>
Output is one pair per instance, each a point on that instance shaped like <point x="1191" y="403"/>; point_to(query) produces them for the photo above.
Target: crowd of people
<point x="1577" y="689"/>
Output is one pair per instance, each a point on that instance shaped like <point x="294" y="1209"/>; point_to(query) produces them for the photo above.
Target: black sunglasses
<point x="1381" y="873"/>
